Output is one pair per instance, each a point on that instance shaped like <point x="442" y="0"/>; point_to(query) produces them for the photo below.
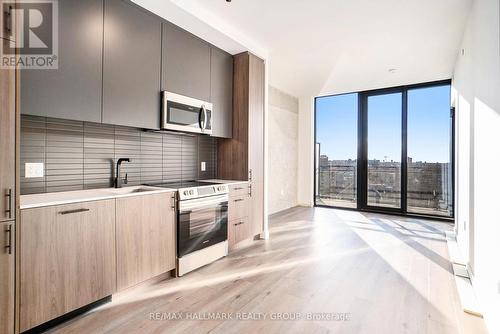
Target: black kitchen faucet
<point x="118" y="180"/>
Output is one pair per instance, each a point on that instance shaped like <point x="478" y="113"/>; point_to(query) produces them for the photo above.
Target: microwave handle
<point x="203" y="123"/>
<point x="200" y="119"/>
<point x="164" y="106"/>
<point x="205" y="117"/>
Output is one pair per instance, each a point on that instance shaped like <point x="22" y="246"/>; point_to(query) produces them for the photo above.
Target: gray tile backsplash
<point x="81" y="155"/>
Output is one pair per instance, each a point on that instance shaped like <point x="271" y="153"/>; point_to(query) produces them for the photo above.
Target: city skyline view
<point x="429" y="128"/>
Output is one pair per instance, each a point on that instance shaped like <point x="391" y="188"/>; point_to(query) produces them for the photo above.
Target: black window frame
<point x="362" y="159"/>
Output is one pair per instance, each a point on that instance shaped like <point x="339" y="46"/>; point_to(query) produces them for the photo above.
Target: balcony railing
<point x="427" y="187"/>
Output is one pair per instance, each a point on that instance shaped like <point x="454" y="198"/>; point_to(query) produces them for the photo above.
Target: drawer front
<point x="239" y="189"/>
<point x="239" y="230"/>
<point x="238" y="207"/>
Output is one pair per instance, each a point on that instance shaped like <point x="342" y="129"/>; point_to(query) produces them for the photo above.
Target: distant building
<point x="427" y="182"/>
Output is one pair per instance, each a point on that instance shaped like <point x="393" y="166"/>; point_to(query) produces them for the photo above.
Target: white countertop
<point x="228" y="182"/>
<point x="68" y="197"/>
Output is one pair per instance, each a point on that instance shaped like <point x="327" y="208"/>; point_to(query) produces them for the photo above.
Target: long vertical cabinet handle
<point x="250" y="176"/>
<point x="7" y="17"/>
<point x="174" y="202"/>
<point x="8" y="210"/>
<point x="8" y="246"/>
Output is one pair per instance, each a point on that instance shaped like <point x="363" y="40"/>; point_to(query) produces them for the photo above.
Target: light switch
<point x="33" y="169"/>
<point x="203" y="166"/>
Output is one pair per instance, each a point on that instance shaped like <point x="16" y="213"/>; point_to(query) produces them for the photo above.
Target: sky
<point x="428" y="125"/>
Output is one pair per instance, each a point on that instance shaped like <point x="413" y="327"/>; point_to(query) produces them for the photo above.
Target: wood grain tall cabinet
<point x="242" y="156"/>
<point x="8" y="126"/>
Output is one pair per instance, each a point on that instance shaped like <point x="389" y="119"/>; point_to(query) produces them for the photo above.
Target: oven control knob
<point x="191" y="192"/>
<point x="186" y="192"/>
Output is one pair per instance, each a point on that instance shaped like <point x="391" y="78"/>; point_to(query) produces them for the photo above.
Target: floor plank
<point x="369" y="273"/>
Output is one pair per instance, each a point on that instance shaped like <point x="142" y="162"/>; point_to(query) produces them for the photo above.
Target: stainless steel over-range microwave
<point x="182" y="113"/>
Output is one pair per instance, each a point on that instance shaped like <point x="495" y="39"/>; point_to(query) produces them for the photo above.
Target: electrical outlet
<point x="203" y="166"/>
<point x="33" y="169"/>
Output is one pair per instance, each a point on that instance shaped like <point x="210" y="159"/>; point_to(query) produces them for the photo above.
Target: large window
<point x="429" y="153"/>
<point x="336" y="150"/>
<point x="386" y="150"/>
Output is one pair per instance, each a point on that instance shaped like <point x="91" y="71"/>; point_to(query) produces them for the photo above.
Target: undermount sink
<point x="131" y="190"/>
<point x="138" y="190"/>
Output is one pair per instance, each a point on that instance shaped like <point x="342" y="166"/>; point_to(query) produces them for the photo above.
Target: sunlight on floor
<point x="194" y="282"/>
<point x="403" y="237"/>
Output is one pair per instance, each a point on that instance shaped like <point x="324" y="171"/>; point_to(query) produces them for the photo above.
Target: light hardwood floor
<point x="389" y="274"/>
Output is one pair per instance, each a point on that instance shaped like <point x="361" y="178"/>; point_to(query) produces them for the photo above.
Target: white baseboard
<point x="463" y="282"/>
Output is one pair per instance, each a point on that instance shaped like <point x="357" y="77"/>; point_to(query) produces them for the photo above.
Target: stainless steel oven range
<point x="201" y="223"/>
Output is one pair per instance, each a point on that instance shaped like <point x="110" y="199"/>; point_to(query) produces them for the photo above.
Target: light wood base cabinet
<point x="238" y="207"/>
<point x="238" y="230"/>
<point x="7" y="277"/>
<point x="145" y="237"/>
<point x="67" y="259"/>
<point x="239" y="226"/>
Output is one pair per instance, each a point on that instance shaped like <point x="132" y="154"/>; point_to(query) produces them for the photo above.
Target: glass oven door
<point x="201" y="223"/>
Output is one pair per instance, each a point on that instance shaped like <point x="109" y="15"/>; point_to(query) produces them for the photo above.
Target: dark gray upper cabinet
<point x="73" y="91"/>
<point x="186" y="63"/>
<point x="132" y="66"/>
<point x="221" y="93"/>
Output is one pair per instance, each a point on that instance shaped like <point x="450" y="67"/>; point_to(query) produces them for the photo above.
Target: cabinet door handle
<point x="173" y="206"/>
<point x="239" y="200"/>
<point x="7" y="16"/>
<point x="8" y="210"/>
<point x="240" y="188"/>
<point x="8" y="247"/>
<point x="73" y="211"/>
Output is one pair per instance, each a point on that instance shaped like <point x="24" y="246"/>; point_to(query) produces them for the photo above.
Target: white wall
<point x="477" y="97"/>
<point x="306" y="153"/>
<point x="282" y="150"/>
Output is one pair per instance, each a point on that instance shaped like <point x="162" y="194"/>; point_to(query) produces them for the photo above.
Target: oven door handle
<point x="202" y="202"/>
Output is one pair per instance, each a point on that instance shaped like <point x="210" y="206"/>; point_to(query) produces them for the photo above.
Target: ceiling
<point x="334" y="46"/>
